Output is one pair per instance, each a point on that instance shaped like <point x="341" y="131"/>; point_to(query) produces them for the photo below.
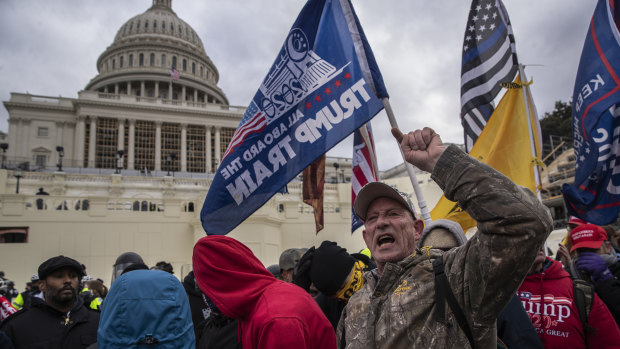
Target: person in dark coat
<point x="5" y="341"/>
<point x="334" y="273"/>
<point x="200" y="311"/>
<point x="60" y="320"/>
<point x="212" y="328"/>
<point x="220" y="332"/>
<point x="609" y="291"/>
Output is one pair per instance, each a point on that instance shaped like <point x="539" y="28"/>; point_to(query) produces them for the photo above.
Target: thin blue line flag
<point x="323" y="85"/>
<point x="595" y="195"/>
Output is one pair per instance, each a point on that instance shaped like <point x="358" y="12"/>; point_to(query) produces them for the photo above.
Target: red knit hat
<point x="587" y="236"/>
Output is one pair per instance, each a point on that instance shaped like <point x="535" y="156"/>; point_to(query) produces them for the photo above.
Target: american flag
<point x="174" y="73"/>
<point x="256" y="124"/>
<point x="489" y="58"/>
<point x="364" y="166"/>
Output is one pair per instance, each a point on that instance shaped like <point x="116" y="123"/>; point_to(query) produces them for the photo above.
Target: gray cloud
<point x="51" y="48"/>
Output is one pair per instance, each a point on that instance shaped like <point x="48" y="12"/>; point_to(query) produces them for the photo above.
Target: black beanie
<point x="331" y="264"/>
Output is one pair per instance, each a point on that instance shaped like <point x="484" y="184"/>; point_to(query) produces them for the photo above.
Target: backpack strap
<point x="583" y="293"/>
<point x="443" y="293"/>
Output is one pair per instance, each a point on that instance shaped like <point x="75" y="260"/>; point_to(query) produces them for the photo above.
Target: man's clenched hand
<point x="421" y="148"/>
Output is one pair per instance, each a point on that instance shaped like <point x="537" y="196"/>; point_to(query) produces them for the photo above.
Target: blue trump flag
<point x="595" y="195"/>
<point x="323" y="85"/>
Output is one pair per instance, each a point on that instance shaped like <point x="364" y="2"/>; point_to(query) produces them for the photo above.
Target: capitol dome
<point x="144" y="51"/>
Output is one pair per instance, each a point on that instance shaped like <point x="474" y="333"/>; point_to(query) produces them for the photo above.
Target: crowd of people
<point x="413" y="286"/>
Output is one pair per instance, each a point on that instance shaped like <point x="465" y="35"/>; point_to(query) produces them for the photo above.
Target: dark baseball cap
<point x="374" y="190"/>
<point x="55" y="263"/>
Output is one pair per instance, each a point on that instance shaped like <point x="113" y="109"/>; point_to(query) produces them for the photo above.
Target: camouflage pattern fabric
<point x="397" y="309"/>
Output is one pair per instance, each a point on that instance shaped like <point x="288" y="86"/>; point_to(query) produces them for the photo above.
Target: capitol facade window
<point x="41" y="161"/>
<point x="106" y="143"/>
<point x="10" y="235"/>
<point x="42" y="132"/>
<point x="145" y="145"/>
<point x="196" y="148"/>
<point x="170" y="143"/>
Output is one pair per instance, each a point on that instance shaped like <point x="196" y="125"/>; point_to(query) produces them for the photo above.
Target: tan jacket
<point x="397" y="309"/>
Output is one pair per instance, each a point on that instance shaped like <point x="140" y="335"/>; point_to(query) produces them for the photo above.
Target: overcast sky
<point x="51" y="47"/>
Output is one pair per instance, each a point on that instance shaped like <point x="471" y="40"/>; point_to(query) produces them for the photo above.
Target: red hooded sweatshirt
<point x="271" y="313"/>
<point x="548" y="299"/>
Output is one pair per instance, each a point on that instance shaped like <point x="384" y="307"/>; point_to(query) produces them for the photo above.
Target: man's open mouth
<point x="384" y="240"/>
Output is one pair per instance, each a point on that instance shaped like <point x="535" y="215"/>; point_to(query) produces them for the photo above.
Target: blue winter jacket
<point x="146" y="309"/>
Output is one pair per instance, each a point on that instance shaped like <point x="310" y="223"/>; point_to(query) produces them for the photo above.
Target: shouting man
<point x="397" y="307"/>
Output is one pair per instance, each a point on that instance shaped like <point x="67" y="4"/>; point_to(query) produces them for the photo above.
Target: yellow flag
<point x="504" y="144"/>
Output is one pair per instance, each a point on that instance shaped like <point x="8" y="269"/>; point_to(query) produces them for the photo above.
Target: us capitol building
<point x="127" y="164"/>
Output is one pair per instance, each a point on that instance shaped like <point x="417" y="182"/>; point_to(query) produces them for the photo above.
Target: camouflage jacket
<point x="397" y="309"/>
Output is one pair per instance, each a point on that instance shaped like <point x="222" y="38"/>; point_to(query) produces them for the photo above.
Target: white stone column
<point x="142" y="89"/>
<point x="115" y="89"/>
<point x="12" y="137"/>
<point x="92" y="142"/>
<point x="59" y="132"/>
<point x="195" y="96"/>
<point x="20" y="145"/>
<point x="79" y="141"/>
<point x="131" y="145"/>
<point x="156" y="89"/>
<point x="208" y="164"/>
<point x="121" y="135"/>
<point x="15" y="149"/>
<point x="25" y="125"/>
<point x="128" y="88"/>
<point x="218" y="150"/>
<point x="183" y="147"/>
<point x="157" y="145"/>
<point x="183" y="93"/>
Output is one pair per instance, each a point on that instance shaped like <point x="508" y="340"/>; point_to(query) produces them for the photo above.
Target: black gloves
<point x="301" y="275"/>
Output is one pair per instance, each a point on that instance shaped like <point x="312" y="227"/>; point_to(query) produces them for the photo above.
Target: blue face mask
<point x="211" y="305"/>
